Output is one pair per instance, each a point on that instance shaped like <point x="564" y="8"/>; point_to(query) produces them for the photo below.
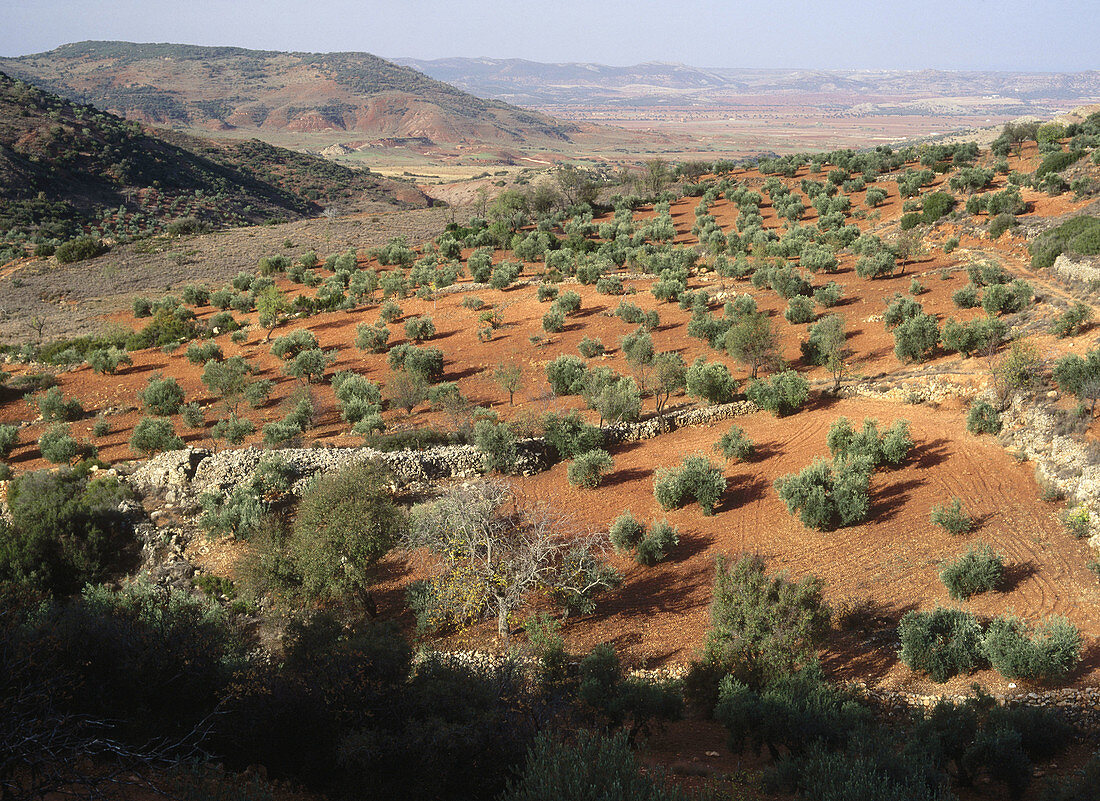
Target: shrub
<point x="559" y="769"/>
<point x="696" y="479"/>
<point x="79" y="249"/>
<point x="942" y="643"/>
<point x="916" y="338"/>
<point x="504" y="274"/>
<point x="553" y="321"/>
<point x="951" y="518"/>
<point x="372" y="338"/>
<point x="162" y="396"/>
<point x="233" y="430"/>
<point x="108" y="360"/>
<point x="64" y="531"/>
<point x="497" y="445"/>
<point x="829" y="295"/>
<point x="419" y="328"/>
<point x="589" y="468"/>
<point x="735" y="445"/>
<point x="966" y="298"/>
<point x="154" y="435"/>
<point x="9" y="438"/>
<point x="828" y="495"/>
<point x="290" y="345"/>
<point x="57" y="445"/>
<point x="763" y="627"/>
<point x="346" y="521"/>
<point x="426" y="362"/>
<point x="800" y="309"/>
<point x="983" y="418"/>
<point x="202" y="352"/>
<point x="655" y="546"/>
<point x="978" y="570"/>
<point x="390" y="311"/>
<point x="1001" y="223"/>
<point x="590" y="348"/>
<point x="892" y="447"/>
<point x="192" y="415"/>
<point x="547" y="293"/>
<point x="1050" y="653"/>
<point x="256" y="393"/>
<point x="1072" y="321"/>
<point x="53" y="406"/>
<point x="626" y="532"/>
<point x="783" y="394"/>
<point x="570" y="435"/>
<point x="976" y="336"/>
<point x="1006" y="299"/>
<point x="566" y="375"/>
<point x="710" y="381"/>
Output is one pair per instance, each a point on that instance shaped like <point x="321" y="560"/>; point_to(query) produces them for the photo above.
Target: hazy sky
<point x="1036" y="35"/>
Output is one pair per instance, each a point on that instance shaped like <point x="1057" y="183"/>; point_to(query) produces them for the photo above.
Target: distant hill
<point x="230" y="87"/>
<point x="67" y="167"/>
<point x="536" y="84"/>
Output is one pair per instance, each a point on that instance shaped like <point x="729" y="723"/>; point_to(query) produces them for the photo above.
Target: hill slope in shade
<point x="64" y="166"/>
<point x="229" y="87"/>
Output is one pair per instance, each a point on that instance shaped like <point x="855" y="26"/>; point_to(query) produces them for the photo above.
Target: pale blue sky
<point x="1031" y="35"/>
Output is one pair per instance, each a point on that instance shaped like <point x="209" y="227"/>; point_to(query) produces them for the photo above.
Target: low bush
<point x="952" y="518"/>
<point x="978" y="570"/>
<point x="735" y="445"/>
<point x="590" y="348"/>
<point x="916" y="338"/>
<point x="55" y="408"/>
<point x="419" y="329"/>
<point x="800" y="309"/>
<point x="710" y="381"/>
<point x="79" y="249"/>
<point x="57" y="445"/>
<point x="1049" y="653"/>
<point x="589" y="468"/>
<point x="696" y="479"/>
<point x="828" y="495"/>
<point x="784" y="393"/>
<point x="943" y="643"/>
<point x="656" y="544"/>
<point x="983" y="418"/>
<point x="626" y="532"/>
<point x="199" y="353"/>
<point x="372" y="338"/>
<point x="570" y="436"/>
<point x="154" y="435"/>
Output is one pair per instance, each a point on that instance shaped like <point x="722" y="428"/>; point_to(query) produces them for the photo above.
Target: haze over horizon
<point x="1013" y="35"/>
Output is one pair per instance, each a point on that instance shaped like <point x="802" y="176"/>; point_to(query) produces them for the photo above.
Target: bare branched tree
<point x="495" y="554"/>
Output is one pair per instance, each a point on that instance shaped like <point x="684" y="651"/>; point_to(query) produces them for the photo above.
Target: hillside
<point x="65" y="167"/>
<point x="544" y="85"/>
<point x="225" y="88"/>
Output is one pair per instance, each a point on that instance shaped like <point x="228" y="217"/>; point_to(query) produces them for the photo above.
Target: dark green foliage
<point x="9" y="438"/>
<point x="763" y="627"/>
<point x="162" y="396"/>
<point x="626" y="532"/>
<point x="57" y="445"/>
<point x="980" y="336"/>
<point x="1080" y="235"/>
<point x="656" y="544"/>
<point x="65" y="531"/>
<point x="828" y="495"/>
<point x="346" y="521"/>
<point x="983" y="418"/>
<point x="497" y="444"/>
<point x="710" y="381"/>
<point x="290" y="345"/>
<point x="1001" y="223"/>
<point x="192" y="415"/>
<point x="79" y="249"/>
<point x="569" y="435"/>
<point x="876" y="265"/>
<point x="1049" y="653"/>
<point x="425" y="362"/>
<point x="1058" y="161"/>
<point x="202" y="352"/>
<point x="589" y="767"/>
<point x="1007" y="299"/>
<point x="371" y="338"/>
<point x="622" y="701"/>
<point x="916" y="338"/>
<point x="546" y="293"/>
<point x="154" y="435"/>
<point x="794" y="712"/>
<point x="891" y="447"/>
<point x="900" y="309"/>
<point x="735" y="445"/>
<point x="53" y="406"/>
<point x="978" y="570"/>
<point x="232" y="429"/>
<point x="951" y="518"/>
<point x="967" y="297"/>
<point x="590" y="348"/>
<point x="589" y="468"/>
<point x="784" y="393"/>
<point x="942" y="643"/>
<point x="800" y="309"/>
<point x="418" y="329"/>
<point x="696" y="479"/>
<point x="108" y="360"/>
<point x="566" y="375"/>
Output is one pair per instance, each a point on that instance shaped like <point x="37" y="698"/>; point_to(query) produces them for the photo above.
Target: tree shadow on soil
<point x="691" y="544"/>
<point x="620" y="477"/>
<point x="930" y="454"/>
<point x="863" y="646"/>
<point x="745" y="490"/>
<point x="888" y="500"/>
<point x="1016" y="574"/>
